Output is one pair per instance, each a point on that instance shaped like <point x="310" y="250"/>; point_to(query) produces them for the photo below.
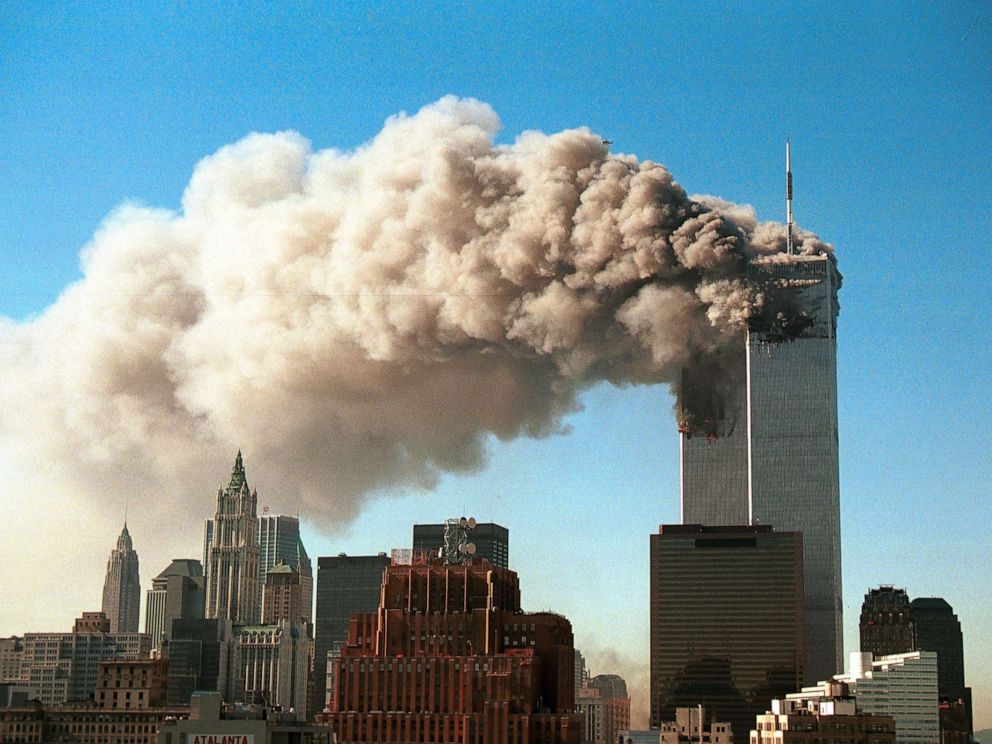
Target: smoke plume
<point x="363" y="320"/>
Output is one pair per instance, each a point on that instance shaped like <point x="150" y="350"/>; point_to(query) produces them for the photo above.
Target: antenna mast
<point x="788" y="197"/>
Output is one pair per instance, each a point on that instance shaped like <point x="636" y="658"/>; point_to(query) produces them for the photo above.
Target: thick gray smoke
<point x="361" y="320"/>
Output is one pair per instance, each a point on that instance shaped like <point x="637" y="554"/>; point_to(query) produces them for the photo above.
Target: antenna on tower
<point x="788" y="197"/>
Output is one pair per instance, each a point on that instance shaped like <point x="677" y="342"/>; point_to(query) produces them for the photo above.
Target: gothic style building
<point x="231" y="552"/>
<point x="121" y="588"/>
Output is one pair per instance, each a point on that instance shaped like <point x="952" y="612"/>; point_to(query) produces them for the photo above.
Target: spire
<point x="124" y="540"/>
<point x="788" y="196"/>
<point x="237" y="474"/>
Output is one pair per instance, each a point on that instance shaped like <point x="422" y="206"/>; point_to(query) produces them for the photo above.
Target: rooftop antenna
<point x="788" y="197"/>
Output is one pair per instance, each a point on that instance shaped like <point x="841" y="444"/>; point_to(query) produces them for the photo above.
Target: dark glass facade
<point x="937" y="629"/>
<point x="346" y="586"/>
<point x="492" y="541"/>
<point x="727" y="621"/>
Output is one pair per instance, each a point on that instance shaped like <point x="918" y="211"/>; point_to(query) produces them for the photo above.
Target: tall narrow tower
<point x="774" y="460"/>
<point x="232" y="553"/>
<point x="122" y="588"/>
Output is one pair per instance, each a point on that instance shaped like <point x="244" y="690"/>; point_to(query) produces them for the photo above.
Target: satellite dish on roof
<point x="469" y="548"/>
<point x="471" y="523"/>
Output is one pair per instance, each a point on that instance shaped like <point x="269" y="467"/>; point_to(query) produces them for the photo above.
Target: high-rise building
<point x="271" y="666"/>
<point x="199" y="658"/>
<point x="903" y="686"/>
<point x="62" y="667"/>
<point x="121" y="587"/>
<point x="346" y="585"/>
<point x="605" y="708"/>
<point x="726" y="620"/>
<point x="936" y="628"/>
<point x="283" y="596"/>
<point x="176" y="593"/>
<point x="886" y="625"/>
<point x="891" y="624"/>
<point x="450" y="657"/>
<point x="232" y="555"/>
<point x="492" y="541"/>
<point x="11" y="652"/>
<point x="279" y="541"/>
<point x="769" y="456"/>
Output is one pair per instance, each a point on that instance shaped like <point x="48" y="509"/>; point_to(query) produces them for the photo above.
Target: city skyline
<point x="903" y="205"/>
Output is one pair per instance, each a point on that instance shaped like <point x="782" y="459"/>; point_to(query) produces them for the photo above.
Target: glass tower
<point x="774" y="458"/>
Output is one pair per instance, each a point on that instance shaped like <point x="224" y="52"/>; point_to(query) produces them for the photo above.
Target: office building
<point x="886" y="625"/>
<point x="271" y="666"/>
<point x="279" y="541"/>
<point x="200" y="658"/>
<point x="726" y="620"/>
<point x="62" y="667"/>
<point x="892" y="624"/>
<point x="903" y="686"/>
<point x="346" y="585"/>
<point x="232" y="554"/>
<point x="283" y="598"/>
<point x="11" y="651"/>
<point x="132" y="684"/>
<point x="121" y="587"/>
<point x="605" y="708"/>
<point x="450" y="657"/>
<point x="937" y="628"/>
<point x="832" y="716"/>
<point x="766" y="451"/>
<point x="492" y="541"/>
<point x="176" y="594"/>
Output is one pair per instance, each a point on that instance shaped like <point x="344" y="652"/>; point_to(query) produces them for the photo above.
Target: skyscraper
<point x="772" y="457"/>
<point x="232" y="553"/>
<point x="936" y="628"/>
<point x="886" y="626"/>
<point x="449" y="657"/>
<point x="279" y="541"/>
<point x="491" y="540"/>
<point x="121" y="587"/>
<point x="176" y="593"/>
<point x="346" y="585"/>
<point x="726" y="620"/>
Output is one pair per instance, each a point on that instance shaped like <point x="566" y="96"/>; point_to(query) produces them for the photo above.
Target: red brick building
<point x="450" y="657"/>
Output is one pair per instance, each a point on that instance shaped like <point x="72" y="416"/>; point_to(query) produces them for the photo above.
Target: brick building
<point x="450" y="657"/>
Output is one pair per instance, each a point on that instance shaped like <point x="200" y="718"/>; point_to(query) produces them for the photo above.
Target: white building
<point x="903" y="686"/>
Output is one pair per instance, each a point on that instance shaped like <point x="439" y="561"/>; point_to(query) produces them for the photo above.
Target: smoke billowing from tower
<point x="366" y="319"/>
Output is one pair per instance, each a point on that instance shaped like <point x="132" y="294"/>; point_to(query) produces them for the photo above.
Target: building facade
<point x="450" y="657"/>
<point x="279" y="542"/>
<point x="492" y="541"/>
<point x="886" y="623"/>
<point x="232" y="554"/>
<point x="283" y="596"/>
<point x="200" y="658"/>
<point x="176" y="594"/>
<point x="62" y="667"/>
<point x="132" y="684"/>
<point x="833" y="718"/>
<point x="695" y="726"/>
<point x="726" y="620"/>
<point x="769" y="455"/>
<point x="11" y="653"/>
<point x="122" y="587"/>
<point x="271" y="666"/>
<point x="346" y="585"/>
<point x="903" y="686"/>
<point x="605" y="708"/>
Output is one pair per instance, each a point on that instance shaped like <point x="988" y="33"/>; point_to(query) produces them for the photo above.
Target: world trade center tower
<point x="773" y="460"/>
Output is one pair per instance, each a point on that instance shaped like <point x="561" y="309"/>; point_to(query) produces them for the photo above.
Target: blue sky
<point x="888" y="111"/>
